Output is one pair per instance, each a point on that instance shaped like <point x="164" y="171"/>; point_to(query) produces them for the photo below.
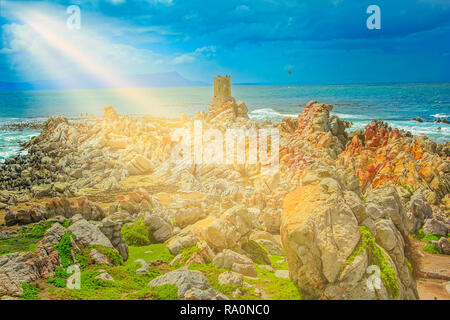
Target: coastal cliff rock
<point x="391" y="156"/>
<point x="333" y="228"/>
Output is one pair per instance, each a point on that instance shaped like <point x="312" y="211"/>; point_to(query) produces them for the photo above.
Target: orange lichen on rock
<point x="388" y="156"/>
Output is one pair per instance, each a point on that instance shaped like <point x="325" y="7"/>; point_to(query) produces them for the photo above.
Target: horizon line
<point x="240" y="84"/>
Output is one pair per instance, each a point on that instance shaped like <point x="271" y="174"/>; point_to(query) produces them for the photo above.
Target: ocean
<point x="396" y="104"/>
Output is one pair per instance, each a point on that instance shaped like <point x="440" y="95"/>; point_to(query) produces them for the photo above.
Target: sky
<point x="254" y="41"/>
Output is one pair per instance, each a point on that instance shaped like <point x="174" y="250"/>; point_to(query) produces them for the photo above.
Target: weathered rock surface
<point x="159" y="226"/>
<point x="89" y="234"/>
<point x="105" y="276"/>
<point x="229" y="259"/>
<point x="99" y="257"/>
<point x="192" y="284"/>
<point x="436" y="227"/>
<point x="24" y="267"/>
<point x="321" y="218"/>
<point x="231" y="278"/>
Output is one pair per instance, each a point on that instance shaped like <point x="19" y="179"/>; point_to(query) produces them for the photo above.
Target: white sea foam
<point x="269" y="113"/>
<point x="429" y="129"/>
<point x="348" y="116"/>
<point x="441" y="115"/>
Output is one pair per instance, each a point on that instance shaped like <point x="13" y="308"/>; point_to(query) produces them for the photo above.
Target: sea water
<point x="397" y="104"/>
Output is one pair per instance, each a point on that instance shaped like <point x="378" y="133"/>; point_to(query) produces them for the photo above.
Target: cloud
<point x="31" y="54"/>
<point x="243" y="10"/>
<point x="184" y="58"/>
<point x="240" y="36"/>
<point x="206" y="51"/>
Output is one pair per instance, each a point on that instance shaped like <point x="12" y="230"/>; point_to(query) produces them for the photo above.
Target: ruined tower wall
<point x="222" y="87"/>
<point x="222" y="92"/>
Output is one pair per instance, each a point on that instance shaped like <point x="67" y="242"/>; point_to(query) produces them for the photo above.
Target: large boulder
<point x="217" y="232"/>
<point x="54" y="233"/>
<point x="176" y="243"/>
<point x="192" y="284"/>
<point x="436" y="227"/>
<point x="186" y="212"/>
<point x="420" y="210"/>
<point x="256" y="252"/>
<point x="229" y="259"/>
<point x="160" y="227"/>
<point x="271" y="220"/>
<point x="271" y="246"/>
<point x="111" y="227"/>
<point x="89" y="234"/>
<point x="443" y="246"/>
<point x="139" y="165"/>
<point x="229" y="230"/>
<point x="319" y="231"/>
<point x="230" y="277"/>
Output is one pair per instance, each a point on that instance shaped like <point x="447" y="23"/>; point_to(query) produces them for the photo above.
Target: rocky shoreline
<point x="338" y="203"/>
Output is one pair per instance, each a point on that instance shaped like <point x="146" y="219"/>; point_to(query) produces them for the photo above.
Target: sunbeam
<point x="50" y="31"/>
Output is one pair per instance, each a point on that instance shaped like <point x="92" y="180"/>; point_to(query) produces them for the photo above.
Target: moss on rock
<point x="377" y="257"/>
<point x="256" y="252"/>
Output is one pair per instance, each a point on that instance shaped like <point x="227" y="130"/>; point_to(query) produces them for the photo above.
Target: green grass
<point x="30" y="291"/>
<point x="212" y="273"/>
<point x="17" y="244"/>
<point x="37" y="231"/>
<point x="57" y="282"/>
<point x="277" y="288"/>
<point x="64" y="247"/>
<point x="431" y="248"/>
<point x="136" y="234"/>
<point x="420" y="235"/>
<point x="279" y="262"/>
<point x="151" y="252"/>
<point x="26" y="240"/>
<point x="61" y="273"/>
<point x="126" y="285"/>
<point x="187" y="253"/>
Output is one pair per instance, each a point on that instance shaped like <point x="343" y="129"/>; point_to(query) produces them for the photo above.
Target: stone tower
<point x="222" y="92"/>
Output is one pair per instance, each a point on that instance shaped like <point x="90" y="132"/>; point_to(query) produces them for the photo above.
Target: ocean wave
<point x="269" y="113"/>
<point x="440" y="115"/>
<point x="10" y="152"/>
<point x="348" y="116"/>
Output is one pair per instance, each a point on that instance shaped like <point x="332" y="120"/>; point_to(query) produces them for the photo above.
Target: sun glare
<point x="52" y="33"/>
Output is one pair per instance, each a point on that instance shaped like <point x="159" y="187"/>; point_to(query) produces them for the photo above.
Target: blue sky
<point x="255" y="41"/>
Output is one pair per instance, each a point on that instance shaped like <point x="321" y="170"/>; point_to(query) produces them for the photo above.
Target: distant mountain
<point x="165" y="79"/>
